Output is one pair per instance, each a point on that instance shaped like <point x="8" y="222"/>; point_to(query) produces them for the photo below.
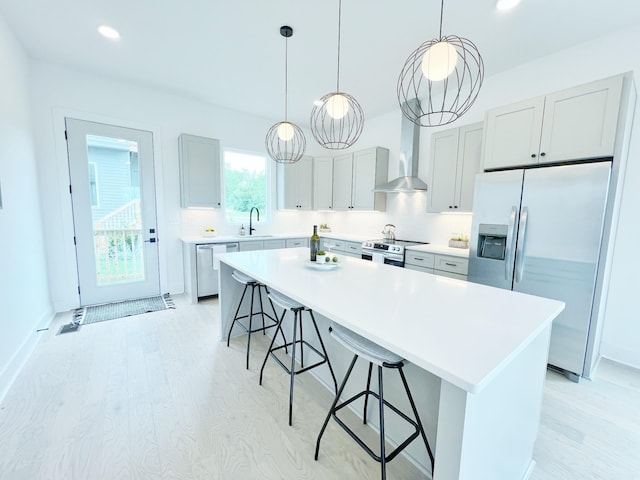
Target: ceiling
<point x="230" y="53"/>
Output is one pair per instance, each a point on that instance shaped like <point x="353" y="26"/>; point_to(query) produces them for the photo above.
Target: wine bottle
<point x="314" y="244"/>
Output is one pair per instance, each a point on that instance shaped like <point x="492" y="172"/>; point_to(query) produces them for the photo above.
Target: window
<point x="245" y="185"/>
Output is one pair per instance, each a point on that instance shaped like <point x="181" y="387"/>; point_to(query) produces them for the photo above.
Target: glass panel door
<point x="113" y="197"/>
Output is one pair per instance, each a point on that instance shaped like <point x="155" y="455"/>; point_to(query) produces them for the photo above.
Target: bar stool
<point x="289" y="304"/>
<point x="373" y="353"/>
<point x="247" y="281"/>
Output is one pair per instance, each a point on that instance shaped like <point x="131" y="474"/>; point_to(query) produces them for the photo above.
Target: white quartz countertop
<point x="201" y="239"/>
<point x="462" y="332"/>
<point x="441" y="249"/>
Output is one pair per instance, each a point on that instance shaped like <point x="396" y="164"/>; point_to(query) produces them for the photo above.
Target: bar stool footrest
<point x="360" y="442"/>
<point x="257" y="329"/>
<point x="303" y="369"/>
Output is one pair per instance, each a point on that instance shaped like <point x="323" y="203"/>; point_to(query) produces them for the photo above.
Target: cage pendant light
<point x="285" y="141"/>
<point x="445" y="75"/>
<point x="337" y="119"/>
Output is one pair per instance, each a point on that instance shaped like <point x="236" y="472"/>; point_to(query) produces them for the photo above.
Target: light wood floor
<point x="158" y="397"/>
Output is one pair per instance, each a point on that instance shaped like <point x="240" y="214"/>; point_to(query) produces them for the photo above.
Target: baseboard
<point x="625" y="356"/>
<point x="9" y="374"/>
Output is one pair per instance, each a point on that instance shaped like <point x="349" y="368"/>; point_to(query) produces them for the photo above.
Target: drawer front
<point x="417" y="268"/>
<point x="271" y="244"/>
<point x="353" y="248"/>
<point x="250" y="245"/>
<point x="297" y="242"/>
<point x="419" y="259"/>
<point x="335" y="245"/>
<point x="451" y="264"/>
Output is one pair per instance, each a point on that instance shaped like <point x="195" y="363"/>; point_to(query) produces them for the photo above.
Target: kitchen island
<point x="478" y="353"/>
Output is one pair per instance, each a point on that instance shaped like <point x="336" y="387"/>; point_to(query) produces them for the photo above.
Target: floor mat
<point x="110" y="311"/>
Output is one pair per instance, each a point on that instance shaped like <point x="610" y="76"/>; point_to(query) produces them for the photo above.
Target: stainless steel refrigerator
<point x="539" y="231"/>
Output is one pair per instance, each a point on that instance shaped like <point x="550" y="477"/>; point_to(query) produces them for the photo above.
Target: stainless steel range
<point x="386" y="251"/>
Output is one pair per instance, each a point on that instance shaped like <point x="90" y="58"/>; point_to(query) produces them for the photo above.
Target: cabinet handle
<point x="450" y="206"/>
<point x="451" y="264"/>
<point x="542" y="154"/>
<point x="419" y="259"/>
<point x="533" y="155"/>
<point x="455" y="206"/>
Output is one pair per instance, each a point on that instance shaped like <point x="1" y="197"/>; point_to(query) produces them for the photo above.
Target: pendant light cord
<point x="441" y="10"/>
<point x="286" y="75"/>
<point x="339" y="20"/>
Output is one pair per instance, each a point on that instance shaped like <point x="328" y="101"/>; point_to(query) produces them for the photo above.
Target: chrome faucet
<point x="251" y="229"/>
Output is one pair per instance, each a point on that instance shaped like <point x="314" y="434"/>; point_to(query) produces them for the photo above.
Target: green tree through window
<point x="245" y="185"/>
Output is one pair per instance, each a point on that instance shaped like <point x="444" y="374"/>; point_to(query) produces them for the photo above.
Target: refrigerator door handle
<point x="521" y="238"/>
<point x="511" y="235"/>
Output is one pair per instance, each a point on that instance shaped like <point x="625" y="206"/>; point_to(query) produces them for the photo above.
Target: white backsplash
<point x="407" y="211"/>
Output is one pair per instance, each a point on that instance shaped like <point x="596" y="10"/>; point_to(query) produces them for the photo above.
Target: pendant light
<point x="285" y="141"/>
<point x="337" y="118"/>
<point x="445" y="75"/>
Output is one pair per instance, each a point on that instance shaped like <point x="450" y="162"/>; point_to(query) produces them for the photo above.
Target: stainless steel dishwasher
<point x="206" y="267"/>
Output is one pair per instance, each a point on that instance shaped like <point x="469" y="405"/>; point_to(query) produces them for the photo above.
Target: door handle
<point x="511" y="234"/>
<point x="151" y="240"/>
<point x="522" y="232"/>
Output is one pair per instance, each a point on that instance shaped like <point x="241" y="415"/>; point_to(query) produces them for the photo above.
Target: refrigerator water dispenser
<point x="492" y="241"/>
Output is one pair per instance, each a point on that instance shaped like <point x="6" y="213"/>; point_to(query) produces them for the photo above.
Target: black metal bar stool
<point x="247" y="281"/>
<point x="382" y="357"/>
<point x="290" y="305"/>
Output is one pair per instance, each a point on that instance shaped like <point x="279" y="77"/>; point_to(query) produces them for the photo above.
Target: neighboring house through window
<point x="93" y="184"/>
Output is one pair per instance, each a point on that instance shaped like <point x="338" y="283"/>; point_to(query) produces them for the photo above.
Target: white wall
<point x="591" y="61"/>
<point x="24" y="294"/>
<point x="60" y="92"/>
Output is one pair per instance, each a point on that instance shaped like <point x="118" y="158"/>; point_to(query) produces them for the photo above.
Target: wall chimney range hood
<point x="408" y="180"/>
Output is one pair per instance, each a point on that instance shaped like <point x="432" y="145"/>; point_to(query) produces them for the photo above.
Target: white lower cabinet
<point x="343" y="247"/>
<point x="450" y="266"/>
<point x="444" y="265"/>
<point x="297" y="242"/>
<point x="422" y="262"/>
<point x="249" y="245"/>
<point x="275" y="243"/>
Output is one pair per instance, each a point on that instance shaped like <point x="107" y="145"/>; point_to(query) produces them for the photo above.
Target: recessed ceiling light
<point x="108" y="32"/>
<point x="506" y="4"/>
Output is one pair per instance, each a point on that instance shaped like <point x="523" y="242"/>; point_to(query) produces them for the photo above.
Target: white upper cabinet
<point x="573" y="124"/>
<point x="581" y="122"/>
<point x="356" y="175"/>
<point x="512" y="134"/>
<point x="342" y="178"/>
<point x="456" y="158"/>
<point x="199" y="171"/>
<point x="295" y="185"/>
<point x="323" y="183"/>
